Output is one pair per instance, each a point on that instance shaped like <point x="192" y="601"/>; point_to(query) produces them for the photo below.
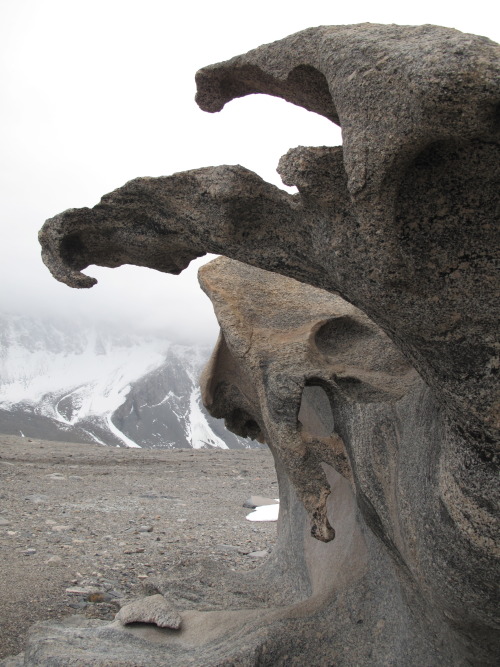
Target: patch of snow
<point x="199" y="432"/>
<point x="94" y="437"/>
<point x="264" y="513"/>
<point x="164" y="400"/>
<point x="76" y="375"/>
<point x="71" y="376"/>
<point x="39" y="361"/>
<point x="116" y="431"/>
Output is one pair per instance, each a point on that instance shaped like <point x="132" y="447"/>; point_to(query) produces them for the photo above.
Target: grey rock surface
<point x="380" y="407"/>
<point x="390" y="220"/>
<point x="153" y="609"/>
<point x="259" y="501"/>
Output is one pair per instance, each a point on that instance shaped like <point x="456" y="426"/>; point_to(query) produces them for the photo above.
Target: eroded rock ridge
<point x="378" y="392"/>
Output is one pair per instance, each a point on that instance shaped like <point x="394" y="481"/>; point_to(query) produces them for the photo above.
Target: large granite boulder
<point x="380" y="407"/>
<point x="362" y="444"/>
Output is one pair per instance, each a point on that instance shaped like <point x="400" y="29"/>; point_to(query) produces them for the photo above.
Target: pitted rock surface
<point x="280" y="336"/>
<point x="380" y="407"/>
<point x="153" y="609"/>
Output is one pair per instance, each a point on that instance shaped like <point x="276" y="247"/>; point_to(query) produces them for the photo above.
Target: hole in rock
<point x="340" y="334"/>
<point x="315" y="413"/>
<point x="244" y="425"/>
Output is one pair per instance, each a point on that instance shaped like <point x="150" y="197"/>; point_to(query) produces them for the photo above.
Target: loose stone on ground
<point x="89" y="546"/>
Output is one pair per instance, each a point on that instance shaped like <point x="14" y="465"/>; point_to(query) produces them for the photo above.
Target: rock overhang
<point x="400" y="221"/>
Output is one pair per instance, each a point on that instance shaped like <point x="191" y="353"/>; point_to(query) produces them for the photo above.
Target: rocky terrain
<point x="379" y="401"/>
<point x="86" y="528"/>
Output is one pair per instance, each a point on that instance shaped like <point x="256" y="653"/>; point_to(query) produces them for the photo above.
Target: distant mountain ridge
<point x="68" y="381"/>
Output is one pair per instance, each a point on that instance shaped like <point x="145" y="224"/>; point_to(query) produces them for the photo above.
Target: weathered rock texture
<point x="154" y="609"/>
<point x="382" y="415"/>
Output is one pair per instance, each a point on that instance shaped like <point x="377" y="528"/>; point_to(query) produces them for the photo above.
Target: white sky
<point x="97" y="92"/>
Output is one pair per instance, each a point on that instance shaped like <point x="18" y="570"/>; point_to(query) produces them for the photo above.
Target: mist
<point x="98" y="93"/>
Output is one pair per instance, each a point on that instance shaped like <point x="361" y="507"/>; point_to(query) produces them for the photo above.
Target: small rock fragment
<point x="54" y="560"/>
<point x="83" y="590"/>
<point x="36" y="498"/>
<point x="259" y="501"/>
<point x="103" y="611"/>
<point x="227" y="547"/>
<point x="77" y="605"/>
<point x="258" y="554"/>
<point x="98" y="597"/>
<point x="153" y="609"/>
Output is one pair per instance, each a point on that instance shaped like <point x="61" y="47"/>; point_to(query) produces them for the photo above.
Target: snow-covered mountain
<point x="67" y="381"/>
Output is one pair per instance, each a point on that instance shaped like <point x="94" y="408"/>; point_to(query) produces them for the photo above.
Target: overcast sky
<point x="97" y="92"/>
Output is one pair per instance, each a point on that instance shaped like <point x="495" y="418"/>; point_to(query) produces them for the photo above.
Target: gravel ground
<point x="84" y="527"/>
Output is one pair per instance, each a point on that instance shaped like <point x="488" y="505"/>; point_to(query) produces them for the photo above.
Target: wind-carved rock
<point x="382" y="415"/>
<point x="279" y="339"/>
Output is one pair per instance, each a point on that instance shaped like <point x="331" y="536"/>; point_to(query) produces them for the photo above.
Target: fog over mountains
<point x="68" y="381"/>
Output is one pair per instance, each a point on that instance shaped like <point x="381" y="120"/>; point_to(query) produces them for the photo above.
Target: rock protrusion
<point x="153" y="609"/>
<point x="380" y="407"/>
